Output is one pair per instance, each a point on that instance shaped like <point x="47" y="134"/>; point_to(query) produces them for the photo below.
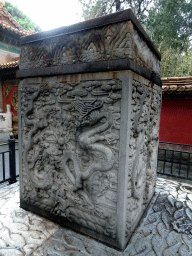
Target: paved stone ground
<point x="165" y="230"/>
<point x="21" y="232"/>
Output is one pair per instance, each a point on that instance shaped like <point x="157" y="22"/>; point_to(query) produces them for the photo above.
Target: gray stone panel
<point x="70" y="145"/>
<point x="143" y="148"/>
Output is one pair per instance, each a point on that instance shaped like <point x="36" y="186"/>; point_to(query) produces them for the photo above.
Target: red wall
<point x="176" y="120"/>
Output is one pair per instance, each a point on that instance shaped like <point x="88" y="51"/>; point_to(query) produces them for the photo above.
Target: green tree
<point x="21" y="18"/>
<point x="96" y="8"/>
<point x="170" y="24"/>
<point x="176" y="64"/>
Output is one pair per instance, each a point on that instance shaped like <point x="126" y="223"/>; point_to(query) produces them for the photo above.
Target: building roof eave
<point x="178" y="85"/>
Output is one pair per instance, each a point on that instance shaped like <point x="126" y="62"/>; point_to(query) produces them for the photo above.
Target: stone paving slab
<point x="165" y="230"/>
<point x="21" y="232"/>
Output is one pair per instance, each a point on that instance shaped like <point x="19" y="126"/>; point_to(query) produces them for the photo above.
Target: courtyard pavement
<point x="165" y="229"/>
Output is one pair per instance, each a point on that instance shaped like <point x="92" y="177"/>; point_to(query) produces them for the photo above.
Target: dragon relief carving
<point x="70" y="149"/>
<point x="146" y="106"/>
<point x="145" y="117"/>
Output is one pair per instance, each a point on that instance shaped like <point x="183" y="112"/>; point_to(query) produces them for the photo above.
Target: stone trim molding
<point x="95" y="66"/>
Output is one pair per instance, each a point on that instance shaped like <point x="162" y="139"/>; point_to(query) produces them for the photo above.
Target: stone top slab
<point x="113" y="42"/>
<point x="91" y="24"/>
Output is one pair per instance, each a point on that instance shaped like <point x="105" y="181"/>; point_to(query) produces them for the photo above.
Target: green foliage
<point x="176" y="64"/>
<point x="96" y="8"/>
<point x="92" y="9"/>
<point x="170" y="24"/>
<point x="21" y="18"/>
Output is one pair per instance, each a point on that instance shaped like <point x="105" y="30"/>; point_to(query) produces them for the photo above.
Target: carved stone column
<point x="90" y="99"/>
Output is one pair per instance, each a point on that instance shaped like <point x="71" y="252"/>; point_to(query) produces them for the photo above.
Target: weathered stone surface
<point x="74" y="162"/>
<point x="167" y="229"/>
<point x="66" y="242"/>
<point x="155" y="234"/>
<point x="71" y="131"/>
<point x="21" y="232"/>
<point x="89" y="141"/>
<point x="108" y="42"/>
<point x="143" y="146"/>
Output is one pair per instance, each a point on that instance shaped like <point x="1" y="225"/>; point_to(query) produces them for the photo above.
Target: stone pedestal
<point x="90" y="98"/>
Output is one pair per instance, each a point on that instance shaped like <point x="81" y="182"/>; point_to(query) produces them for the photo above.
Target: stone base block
<point x="89" y="150"/>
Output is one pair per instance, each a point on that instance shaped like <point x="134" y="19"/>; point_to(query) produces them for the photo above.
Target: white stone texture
<point x="165" y="230"/>
<point x="21" y="232"/>
<point x="143" y="54"/>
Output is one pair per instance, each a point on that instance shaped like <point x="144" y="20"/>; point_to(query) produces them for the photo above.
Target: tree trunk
<point x="118" y="5"/>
